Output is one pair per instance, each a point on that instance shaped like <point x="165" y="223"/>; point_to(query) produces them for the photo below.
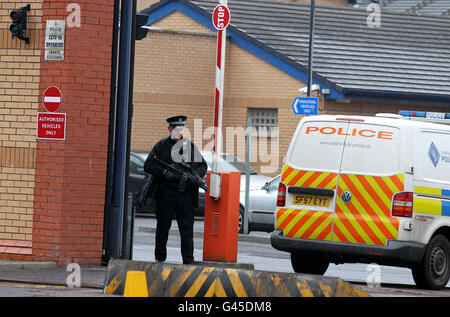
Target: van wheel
<point x="308" y="264"/>
<point x="434" y="271"/>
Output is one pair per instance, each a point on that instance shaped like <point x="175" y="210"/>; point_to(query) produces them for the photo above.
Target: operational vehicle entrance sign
<point x="54" y="40"/>
<point x="306" y="106"/>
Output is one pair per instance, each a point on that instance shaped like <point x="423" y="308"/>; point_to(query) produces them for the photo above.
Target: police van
<point x="368" y="189"/>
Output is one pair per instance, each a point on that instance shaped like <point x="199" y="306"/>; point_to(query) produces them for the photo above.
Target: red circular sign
<point x="221" y="17"/>
<point x="52" y="99"/>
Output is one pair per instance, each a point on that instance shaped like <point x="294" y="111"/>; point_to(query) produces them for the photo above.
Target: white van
<point x="367" y="189"/>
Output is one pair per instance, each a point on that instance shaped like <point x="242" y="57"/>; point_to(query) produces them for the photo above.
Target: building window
<point x="264" y="121"/>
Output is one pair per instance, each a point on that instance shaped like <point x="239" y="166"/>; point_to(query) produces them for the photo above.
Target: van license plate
<point x="310" y="200"/>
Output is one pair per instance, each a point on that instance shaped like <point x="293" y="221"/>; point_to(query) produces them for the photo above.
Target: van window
<point x="319" y="146"/>
<point x="435" y="155"/>
<point x="371" y="149"/>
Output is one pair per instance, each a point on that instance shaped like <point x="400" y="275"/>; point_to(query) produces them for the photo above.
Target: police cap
<point x="176" y="121"/>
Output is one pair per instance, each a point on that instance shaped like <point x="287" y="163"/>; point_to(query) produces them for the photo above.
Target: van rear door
<point x="369" y="176"/>
<point x="340" y="177"/>
<point x="311" y="174"/>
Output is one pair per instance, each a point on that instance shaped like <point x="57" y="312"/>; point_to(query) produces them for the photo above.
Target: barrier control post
<point x="220" y="236"/>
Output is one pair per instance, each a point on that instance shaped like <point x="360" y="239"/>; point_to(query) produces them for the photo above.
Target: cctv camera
<point x="314" y="87"/>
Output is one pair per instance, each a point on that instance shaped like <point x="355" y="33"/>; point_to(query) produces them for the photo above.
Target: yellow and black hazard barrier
<point x="137" y="278"/>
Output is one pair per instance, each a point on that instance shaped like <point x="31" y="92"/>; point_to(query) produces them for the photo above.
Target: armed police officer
<point x="175" y="193"/>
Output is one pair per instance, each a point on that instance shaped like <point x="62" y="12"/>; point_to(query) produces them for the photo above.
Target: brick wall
<point x="175" y="73"/>
<point x="71" y="174"/>
<point x="19" y="93"/>
<point x="144" y="4"/>
<point x="166" y="83"/>
<point x="52" y="192"/>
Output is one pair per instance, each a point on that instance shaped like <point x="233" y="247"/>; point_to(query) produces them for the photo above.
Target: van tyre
<point x="308" y="264"/>
<point x="434" y="271"/>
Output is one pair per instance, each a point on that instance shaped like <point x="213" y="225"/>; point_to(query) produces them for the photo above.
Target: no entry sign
<point x="221" y="17"/>
<point x="52" y="99"/>
<point x="51" y="126"/>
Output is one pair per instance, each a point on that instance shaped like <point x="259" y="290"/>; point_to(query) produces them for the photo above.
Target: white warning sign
<point x="54" y="40"/>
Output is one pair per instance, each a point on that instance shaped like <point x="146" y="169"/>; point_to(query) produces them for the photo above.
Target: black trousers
<point x="181" y="204"/>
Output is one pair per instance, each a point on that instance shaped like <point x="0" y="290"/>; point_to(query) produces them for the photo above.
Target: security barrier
<point x="220" y="242"/>
<point x="177" y="280"/>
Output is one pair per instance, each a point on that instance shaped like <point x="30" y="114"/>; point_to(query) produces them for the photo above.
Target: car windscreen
<point x="136" y="164"/>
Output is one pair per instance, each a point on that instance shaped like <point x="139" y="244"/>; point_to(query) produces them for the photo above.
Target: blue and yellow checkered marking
<point x="446" y="208"/>
<point x="432" y="205"/>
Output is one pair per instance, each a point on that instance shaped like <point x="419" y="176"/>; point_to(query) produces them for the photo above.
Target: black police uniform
<point x="169" y="199"/>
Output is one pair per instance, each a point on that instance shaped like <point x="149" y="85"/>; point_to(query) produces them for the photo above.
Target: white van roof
<point x="426" y="116"/>
<point x="386" y="119"/>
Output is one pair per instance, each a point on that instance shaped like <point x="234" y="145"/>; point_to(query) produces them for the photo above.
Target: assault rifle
<point x="182" y="175"/>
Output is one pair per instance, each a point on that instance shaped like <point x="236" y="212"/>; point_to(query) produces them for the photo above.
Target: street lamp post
<point x="311" y="46"/>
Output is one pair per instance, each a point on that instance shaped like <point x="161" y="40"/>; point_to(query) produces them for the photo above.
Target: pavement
<point x="42" y="274"/>
<point x="34" y="272"/>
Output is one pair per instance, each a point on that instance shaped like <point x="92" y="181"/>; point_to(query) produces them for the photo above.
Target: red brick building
<point x="52" y="192"/>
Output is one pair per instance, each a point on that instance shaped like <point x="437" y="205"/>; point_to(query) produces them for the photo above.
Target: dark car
<point x="136" y="180"/>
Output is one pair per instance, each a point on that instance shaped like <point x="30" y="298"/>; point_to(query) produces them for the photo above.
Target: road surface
<point x="256" y="249"/>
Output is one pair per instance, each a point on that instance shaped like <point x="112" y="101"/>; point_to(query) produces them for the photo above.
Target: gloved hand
<point x="170" y="176"/>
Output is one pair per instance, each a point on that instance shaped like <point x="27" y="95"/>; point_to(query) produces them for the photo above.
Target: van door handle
<point x="409" y="169"/>
<point x="311" y="191"/>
